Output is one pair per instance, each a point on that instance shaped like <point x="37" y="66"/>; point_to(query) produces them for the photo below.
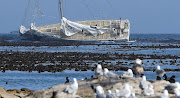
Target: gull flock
<point x="127" y="90"/>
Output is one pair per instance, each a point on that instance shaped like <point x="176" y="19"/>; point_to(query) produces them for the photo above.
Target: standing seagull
<point x="109" y="94"/>
<point x="99" y="92"/>
<point x="72" y="89"/>
<point x="98" y="71"/>
<point x="127" y="74"/>
<point x="125" y="92"/>
<point x="165" y="94"/>
<point x="159" y="71"/>
<point x="143" y="84"/>
<point x="110" y="75"/>
<point x="137" y="68"/>
<point x="177" y="93"/>
<point x="149" y="91"/>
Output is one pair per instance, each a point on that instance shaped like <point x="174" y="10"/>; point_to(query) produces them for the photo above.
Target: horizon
<point x="161" y="18"/>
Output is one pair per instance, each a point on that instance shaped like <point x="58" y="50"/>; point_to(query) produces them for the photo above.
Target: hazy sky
<point x="146" y="16"/>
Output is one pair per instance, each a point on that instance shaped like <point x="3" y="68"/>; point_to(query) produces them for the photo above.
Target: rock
<point x="7" y="95"/>
<point x="2" y="89"/>
<point x="159" y="86"/>
<point x="12" y="91"/>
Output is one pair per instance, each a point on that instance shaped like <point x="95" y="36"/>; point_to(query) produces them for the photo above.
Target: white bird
<point x="109" y="94"/>
<point x="72" y="89"/>
<point x="165" y="94"/>
<point x="110" y="75"/>
<point x="127" y="74"/>
<point x="177" y="93"/>
<point x="149" y="91"/>
<point x="159" y="71"/>
<point x="100" y="92"/>
<point x="143" y="84"/>
<point x="125" y="92"/>
<point x="115" y="93"/>
<point x="98" y="70"/>
<point x="132" y="95"/>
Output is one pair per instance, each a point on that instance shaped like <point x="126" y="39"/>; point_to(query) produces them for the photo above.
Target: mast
<point x="61" y="9"/>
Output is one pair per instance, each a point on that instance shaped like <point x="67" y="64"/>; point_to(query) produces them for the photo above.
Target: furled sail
<point x="70" y="28"/>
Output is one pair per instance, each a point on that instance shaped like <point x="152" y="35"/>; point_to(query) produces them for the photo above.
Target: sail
<point x="70" y="28"/>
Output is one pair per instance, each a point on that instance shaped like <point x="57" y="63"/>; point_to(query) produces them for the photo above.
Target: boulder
<point x="2" y="89"/>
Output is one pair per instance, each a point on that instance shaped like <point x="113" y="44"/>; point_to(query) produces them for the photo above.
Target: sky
<point x="145" y="16"/>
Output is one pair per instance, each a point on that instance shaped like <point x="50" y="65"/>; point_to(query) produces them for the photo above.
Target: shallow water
<point x="37" y="81"/>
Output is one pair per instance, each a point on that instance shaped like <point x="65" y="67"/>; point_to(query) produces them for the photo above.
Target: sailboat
<point x="95" y="30"/>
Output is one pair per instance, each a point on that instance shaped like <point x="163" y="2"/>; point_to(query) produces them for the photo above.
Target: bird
<point x="125" y="92"/>
<point x="98" y="71"/>
<point x="177" y="93"/>
<point x="159" y="71"/>
<point x="99" y="92"/>
<point x="172" y="79"/>
<point x="109" y="94"/>
<point x="165" y="77"/>
<point x="132" y="95"/>
<point x="172" y="86"/>
<point x="165" y="94"/>
<point x="149" y="91"/>
<point x="115" y="94"/>
<point x="110" y="75"/>
<point x="138" y="68"/>
<point x="73" y="88"/>
<point x="67" y="80"/>
<point x="158" y="78"/>
<point x="127" y="74"/>
<point x="143" y="84"/>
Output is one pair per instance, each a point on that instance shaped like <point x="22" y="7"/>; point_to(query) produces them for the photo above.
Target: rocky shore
<point x="85" y="90"/>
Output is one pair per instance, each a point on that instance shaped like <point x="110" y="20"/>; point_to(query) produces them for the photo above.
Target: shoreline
<point x="85" y="91"/>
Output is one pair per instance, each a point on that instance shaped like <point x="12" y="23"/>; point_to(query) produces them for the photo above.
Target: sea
<point x="37" y="81"/>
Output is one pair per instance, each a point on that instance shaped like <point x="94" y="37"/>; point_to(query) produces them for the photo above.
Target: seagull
<point x="110" y="75"/>
<point x="100" y="92"/>
<point x="125" y="92"/>
<point x="172" y="86"/>
<point x="143" y="84"/>
<point x="127" y="74"/>
<point x="149" y="91"/>
<point x="159" y="71"/>
<point x="165" y="94"/>
<point x="133" y="95"/>
<point x="137" y="68"/>
<point x="98" y="70"/>
<point x="72" y="89"/>
<point x="109" y="94"/>
<point x="115" y="94"/>
<point x="177" y="93"/>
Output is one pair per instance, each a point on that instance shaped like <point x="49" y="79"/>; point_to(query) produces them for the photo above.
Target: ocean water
<point x="37" y="81"/>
